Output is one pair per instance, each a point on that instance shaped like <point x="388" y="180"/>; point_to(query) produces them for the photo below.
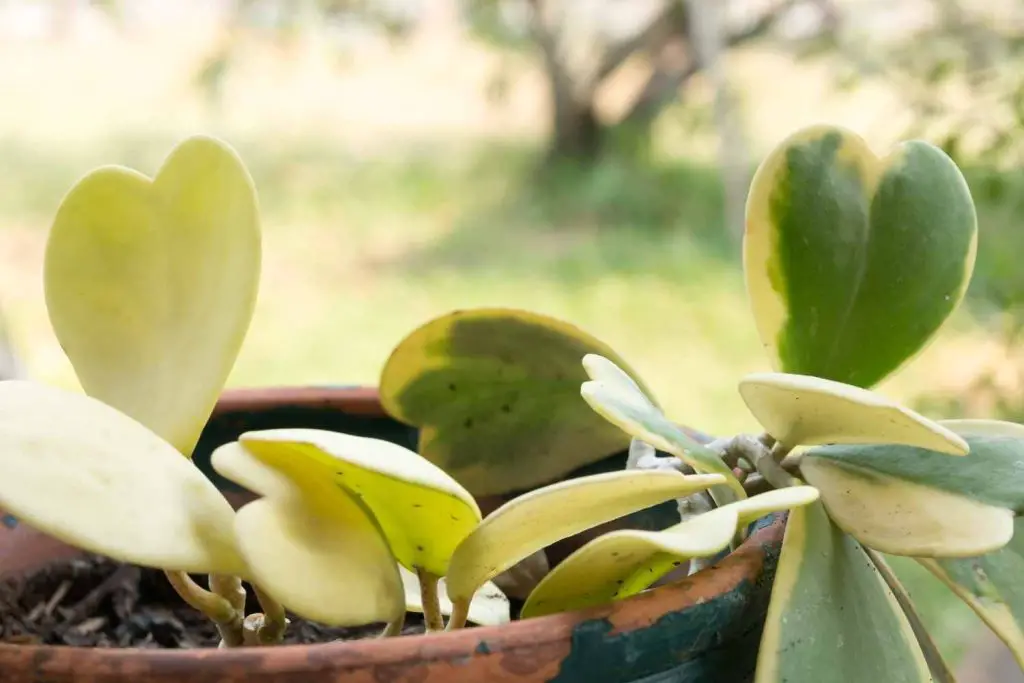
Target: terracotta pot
<point x="702" y="629"/>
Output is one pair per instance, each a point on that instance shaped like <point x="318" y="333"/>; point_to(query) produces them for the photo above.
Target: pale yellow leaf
<point x="423" y="512"/>
<point x="151" y="284"/>
<point x="801" y="410"/>
<point x="546" y="515"/>
<point x="80" y="471"/>
<point x="623" y="563"/>
<point x="321" y="556"/>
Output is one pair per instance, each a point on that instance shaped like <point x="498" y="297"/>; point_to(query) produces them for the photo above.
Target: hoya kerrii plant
<point x="150" y="287"/>
<point x="852" y="264"/>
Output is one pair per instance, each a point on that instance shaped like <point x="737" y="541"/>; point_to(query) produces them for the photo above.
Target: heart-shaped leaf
<point x="489" y="606"/>
<point x="799" y="410"/>
<point x="546" y="515"/>
<point x="495" y="393"/>
<point x="832" y="614"/>
<point x="422" y="511"/>
<point x="80" y="471"/>
<point x="853" y="262"/>
<point x="991" y="586"/>
<point x="901" y="517"/>
<point x="151" y="284"/>
<point x="632" y="411"/>
<point x="620" y="564"/>
<point x="320" y="555"/>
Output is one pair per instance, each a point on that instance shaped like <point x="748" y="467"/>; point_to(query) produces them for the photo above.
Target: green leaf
<point x="992" y="472"/>
<point x="629" y="408"/>
<point x="151" y="284"/>
<point x="86" y="474"/>
<point x="799" y="410"/>
<point x="620" y="564"/>
<point x="831" y="618"/>
<point x="495" y="393"/>
<point x="853" y="262"/>
<point x="489" y="606"/>
<point x="537" y="519"/>
<point x="991" y="585"/>
<point x="423" y="512"/>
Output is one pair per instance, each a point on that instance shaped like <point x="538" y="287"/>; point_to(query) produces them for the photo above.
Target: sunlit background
<point x="584" y="158"/>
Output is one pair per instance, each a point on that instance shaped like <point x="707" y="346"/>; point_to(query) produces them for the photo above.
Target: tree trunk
<point x="576" y="132"/>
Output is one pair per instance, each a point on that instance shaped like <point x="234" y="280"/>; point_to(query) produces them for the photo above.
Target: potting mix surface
<point x="96" y="602"/>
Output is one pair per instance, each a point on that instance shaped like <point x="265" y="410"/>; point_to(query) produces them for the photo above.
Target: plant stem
<point x="773" y="473"/>
<point x="460" y="612"/>
<point x="275" y="622"/>
<point x="230" y="588"/>
<point x="936" y="664"/>
<point x="755" y="484"/>
<point x="779" y="451"/>
<point x="431" y="604"/>
<point x="394" y="628"/>
<point x="220" y="611"/>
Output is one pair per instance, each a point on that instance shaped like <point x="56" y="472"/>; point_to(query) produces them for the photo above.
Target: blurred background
<point x="588" y="159"/>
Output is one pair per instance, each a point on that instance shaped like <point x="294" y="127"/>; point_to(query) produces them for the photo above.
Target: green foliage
<point x="348" y="530"/>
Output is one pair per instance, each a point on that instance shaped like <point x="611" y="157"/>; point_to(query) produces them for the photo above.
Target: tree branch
<point x="662" y="87"/>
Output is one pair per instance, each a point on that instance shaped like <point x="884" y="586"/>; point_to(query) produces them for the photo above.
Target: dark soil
<point x="96" y="602"/>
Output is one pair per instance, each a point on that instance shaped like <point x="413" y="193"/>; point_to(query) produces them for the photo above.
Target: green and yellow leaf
<point x="489" y="606"/>
<point x="495" y="393"/>
<point x="992" y="472"/>
<point x="635" y="414"/>
<point x="423" y="512"/>
<point x="86" y="474"/>
<point x="537" y="519"/>
<point x="901" y="517"/>
<point x="320" y="554"/>
<point x="991" y="585"/>
<point x="622" y="563"/>
<point x="800" y="410"/>
<point x="151" y="284"/>
<point x="831" y="615"/>
<point x="853" y="262"/>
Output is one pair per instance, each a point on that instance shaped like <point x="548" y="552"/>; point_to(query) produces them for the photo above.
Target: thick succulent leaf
<point x="234" y="462"/>
<point x="601" y="369"/>
<point x="489" y="606"/>
<point x="423" y="512"/>
<point x="495" y="393"/>
<point x="321" y="555"/>
<point x="76" y="469"/>
<point x="620" y="564"/>
<point x="991" y="585"/>
<point x="151" y="284"/>
<point x="639" y="418"/>
<point x="799" y="410"/>
<point x="985" y="428"/>
<point x="853" y="262"/>
<point x="831" y="615"/>
<point x="992" y="473"/>
<point x="537" y="519"/>
<point x="902" y="517"/>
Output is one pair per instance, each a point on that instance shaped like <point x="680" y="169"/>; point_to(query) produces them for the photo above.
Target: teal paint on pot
<point x="712" y="642"/>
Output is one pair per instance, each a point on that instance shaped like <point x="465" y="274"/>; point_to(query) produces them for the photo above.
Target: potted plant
<point x="528" y="433"/>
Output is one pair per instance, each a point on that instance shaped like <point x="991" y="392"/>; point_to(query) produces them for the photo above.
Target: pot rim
<point x="745" y="565"/>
